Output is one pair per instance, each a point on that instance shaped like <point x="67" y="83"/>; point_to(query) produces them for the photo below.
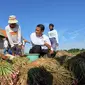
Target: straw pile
<point x="77" y="66"/>
<point x="62" y="56"/>
<point x="61" y="76"/>
<point x="63" y="53"/>
<point x="20" y="62"/>
<point x="39" y="76"/>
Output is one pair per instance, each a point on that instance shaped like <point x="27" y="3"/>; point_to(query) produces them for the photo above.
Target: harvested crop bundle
<point x="62" y="56"/>
<point x="20" y="62"/>
<point x="61" y="76"/>
<point x="77" y="66"/>
<point x="39" y="76"/>
<point x="22" y="78"/>
<point x="8" y="76"/>
<point x="63" y="53"/>
<point x="62" y="59"/>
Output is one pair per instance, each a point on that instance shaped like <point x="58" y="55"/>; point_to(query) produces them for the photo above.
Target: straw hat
<point x="12" y="19"/>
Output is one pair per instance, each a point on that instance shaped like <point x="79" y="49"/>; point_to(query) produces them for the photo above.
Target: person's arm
<point x="19" y="36"/>
<point x="56" y="36"/>
<point x="9" y="37"/>
<point x="48" y="43"/>
<point x="34" y="41"/>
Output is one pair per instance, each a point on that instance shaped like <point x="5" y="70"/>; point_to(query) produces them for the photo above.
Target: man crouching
<point x="40" y="42"/>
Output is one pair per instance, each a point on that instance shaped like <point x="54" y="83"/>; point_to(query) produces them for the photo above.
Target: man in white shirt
<point x="40" y="42"/>
<point x="53" y="36"/>
<point x="13" y="32"/>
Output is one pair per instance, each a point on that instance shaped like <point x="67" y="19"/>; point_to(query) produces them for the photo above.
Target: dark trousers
<point x="53" y="43"/>
<point x="37" y="49"/>
<point x="16" y="50"/>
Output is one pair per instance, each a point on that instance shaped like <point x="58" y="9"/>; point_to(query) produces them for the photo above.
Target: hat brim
<point x="12" y="21"/>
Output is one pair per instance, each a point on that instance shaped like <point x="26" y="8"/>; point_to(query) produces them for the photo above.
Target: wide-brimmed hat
<point x="12" y="19"/>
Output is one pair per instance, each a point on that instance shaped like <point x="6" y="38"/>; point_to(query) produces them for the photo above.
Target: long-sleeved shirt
<point x="14" y="35"/>
<point x="5" y="43"/>
<point x="40" y="40"/>
<point x="53" y="34"/>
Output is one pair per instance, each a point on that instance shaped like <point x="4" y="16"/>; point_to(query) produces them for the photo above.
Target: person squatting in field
<point x="40" y="42"/>
<point x="13" y="32"/>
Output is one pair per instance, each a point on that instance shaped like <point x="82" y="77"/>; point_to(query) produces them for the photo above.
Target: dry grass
<point x="63" y="53"/>
<point x="61" y="76"/>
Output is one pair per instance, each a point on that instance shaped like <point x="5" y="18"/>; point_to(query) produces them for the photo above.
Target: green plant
<point x="7" y="73"/>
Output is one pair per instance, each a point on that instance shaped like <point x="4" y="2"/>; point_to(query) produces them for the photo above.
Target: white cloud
<point x="71" y="35"/>
<point x="76" y="31"/>
<point x="64" y="38"/>
<point x="69" y="39"/>
<point x="62" y="34"/>
<point x="74" y="36"/>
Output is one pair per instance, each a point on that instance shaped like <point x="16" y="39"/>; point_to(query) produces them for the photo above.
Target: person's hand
<point x="46" y="44"/>
<point x="12" y="46"/>
<point x="20" y="46"/>
<point x="51" y="52"/>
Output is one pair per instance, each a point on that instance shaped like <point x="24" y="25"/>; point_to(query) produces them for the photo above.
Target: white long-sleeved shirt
<point x="40" y="40"/>
<point x="5" y="43"/>
<point x="14" y="35"/>
<point x="53" y="34"/>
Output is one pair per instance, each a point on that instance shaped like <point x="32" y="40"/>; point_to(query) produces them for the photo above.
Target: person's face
<point x="38" y="31"/>
<point x="12" y="25"/>
<point x="50" y="27"/>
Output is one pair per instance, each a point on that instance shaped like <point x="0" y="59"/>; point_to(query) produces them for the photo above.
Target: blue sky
<point x="68" y="16"/>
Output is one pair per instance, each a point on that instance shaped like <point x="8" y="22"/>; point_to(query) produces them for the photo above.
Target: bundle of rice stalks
<point x="77" y="66"/>
<point x="8" y="76"/>
<point x="20" y="62"/>
<point x="62" y="59"/>
<point x="61" y="76"/>
<point x="39" y="76"/>
<point x="63" y="53"/>
<point x="62" y="56"/>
